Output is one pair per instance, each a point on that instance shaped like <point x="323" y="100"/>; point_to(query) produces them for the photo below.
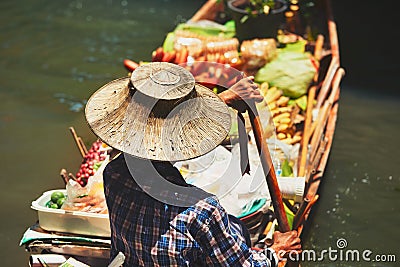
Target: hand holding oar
<point x="242" y="96"/>
<point x="243" y="100"/>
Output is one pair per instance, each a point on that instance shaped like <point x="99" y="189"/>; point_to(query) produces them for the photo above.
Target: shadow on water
<point x="54" y="54"/>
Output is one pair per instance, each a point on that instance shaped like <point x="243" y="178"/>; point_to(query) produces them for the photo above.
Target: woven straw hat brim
<point x="193" y="128"/>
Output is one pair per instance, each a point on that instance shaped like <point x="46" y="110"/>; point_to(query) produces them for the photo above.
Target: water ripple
<point x="73" y="104"/>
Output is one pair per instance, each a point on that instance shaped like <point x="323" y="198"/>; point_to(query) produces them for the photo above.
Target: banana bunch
<point x="285" y="116"/>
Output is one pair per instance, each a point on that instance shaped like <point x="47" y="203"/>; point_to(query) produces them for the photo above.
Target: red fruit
<point x="157" y="55"/>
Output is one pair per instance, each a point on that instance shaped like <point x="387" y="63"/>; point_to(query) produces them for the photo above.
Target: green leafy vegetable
<point x="292" y="72"/>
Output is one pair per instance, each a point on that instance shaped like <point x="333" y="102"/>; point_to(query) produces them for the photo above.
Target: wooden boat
<point x="318" y="132"/>
<point x="318" y="125"/>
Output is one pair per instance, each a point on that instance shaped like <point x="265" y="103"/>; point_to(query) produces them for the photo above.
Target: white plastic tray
<point x="76" y="222"/>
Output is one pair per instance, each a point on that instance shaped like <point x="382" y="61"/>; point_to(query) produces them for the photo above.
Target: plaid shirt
<point x="152" y="233"/>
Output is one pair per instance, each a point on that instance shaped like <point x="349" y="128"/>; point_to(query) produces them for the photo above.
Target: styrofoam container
<point x="76" y="222"/>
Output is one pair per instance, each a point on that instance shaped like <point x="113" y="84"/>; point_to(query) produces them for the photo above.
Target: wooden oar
<point x="269" y="171"/>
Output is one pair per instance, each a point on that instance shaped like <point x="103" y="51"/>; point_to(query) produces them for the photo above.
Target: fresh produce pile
<point x="287" y="114"/>
<point x="56" y="201"/>
<point x="85" y="191"/>
<point x="91" y="162"/>
<point x="283" y="68"/>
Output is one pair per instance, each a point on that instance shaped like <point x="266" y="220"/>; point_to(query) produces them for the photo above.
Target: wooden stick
<point x="309" y="126"/>
<point x="82" y="145"/>
<point x="319" y="43"/>
<point x="320" y="126"/>
<point x="78" y="144"/>
<point x="301" y="210"/>
<point x="268" y="168"/>
<point x="332" y="31"/>
<point x="335" y="63"/>
<point x="208" y="11"/>
<point x="327" y="82"/>
<point x="71" y="176"/>
<point x="324" y="113"/>
<point x="64" y="175"/>
<point x="313" y="165"/>
<point x="306" y="133"/>
<point x="301" y="216"/>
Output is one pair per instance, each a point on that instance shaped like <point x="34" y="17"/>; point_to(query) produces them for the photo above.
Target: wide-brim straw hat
<point x="159" y="113"/>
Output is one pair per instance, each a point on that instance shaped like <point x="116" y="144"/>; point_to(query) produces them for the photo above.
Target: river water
<point x="55" y="54"/>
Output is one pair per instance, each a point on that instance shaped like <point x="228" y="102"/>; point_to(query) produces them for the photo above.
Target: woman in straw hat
<point x="158" y="116"/>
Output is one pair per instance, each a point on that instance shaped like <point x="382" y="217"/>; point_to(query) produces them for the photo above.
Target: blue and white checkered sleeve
<point x="225" y="245"/>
